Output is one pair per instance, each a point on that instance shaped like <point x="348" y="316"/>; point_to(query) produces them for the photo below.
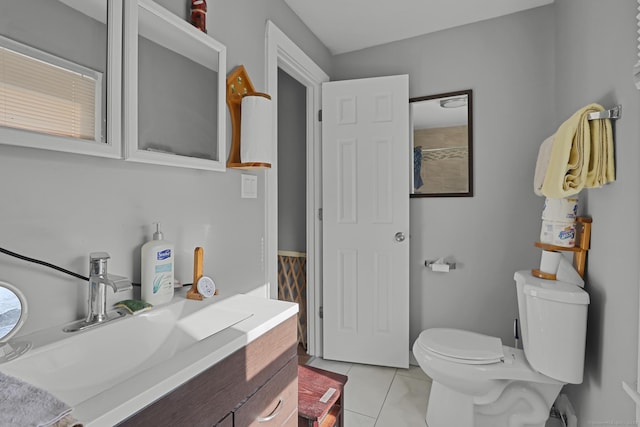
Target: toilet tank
<point x="553" y="326"/>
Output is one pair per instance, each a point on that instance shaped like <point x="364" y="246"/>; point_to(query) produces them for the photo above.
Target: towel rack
<point x="612" y="113"/>
<point x="431" y="150"/>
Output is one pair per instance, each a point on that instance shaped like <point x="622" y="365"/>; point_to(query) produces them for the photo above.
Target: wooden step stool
<point x="320" y="397"/>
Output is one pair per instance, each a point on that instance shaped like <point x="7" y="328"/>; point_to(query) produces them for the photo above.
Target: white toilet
<point x="478" y="382"/>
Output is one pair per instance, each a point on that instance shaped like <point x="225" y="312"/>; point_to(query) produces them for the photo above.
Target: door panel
<point x="366" y="162"/>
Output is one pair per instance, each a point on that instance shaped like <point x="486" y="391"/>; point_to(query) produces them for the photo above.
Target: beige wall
<point x="445" y="161"/>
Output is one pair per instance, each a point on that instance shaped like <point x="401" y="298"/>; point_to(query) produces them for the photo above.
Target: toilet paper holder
<point x="434" y="263"/>
<point x="583" y="226"/>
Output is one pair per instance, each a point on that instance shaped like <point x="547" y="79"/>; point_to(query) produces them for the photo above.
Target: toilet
<point x="479" y="382"/>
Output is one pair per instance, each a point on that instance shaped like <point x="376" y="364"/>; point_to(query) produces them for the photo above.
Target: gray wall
<point x="508" y="63"/>
<point x="595" y="54"/>
<point x="529" y="72"/>
<point x="59" y="207"/>
<point x="292" y="164"/>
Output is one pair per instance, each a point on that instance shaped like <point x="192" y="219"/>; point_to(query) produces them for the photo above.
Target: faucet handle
<point x="93" y="256"/>
<point x="98" y="263"/>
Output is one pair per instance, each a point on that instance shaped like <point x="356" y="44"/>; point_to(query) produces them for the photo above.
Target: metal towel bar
<point x="612" y="113"/>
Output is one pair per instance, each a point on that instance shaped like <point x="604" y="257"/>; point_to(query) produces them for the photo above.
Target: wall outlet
<point x="249" y="187"/>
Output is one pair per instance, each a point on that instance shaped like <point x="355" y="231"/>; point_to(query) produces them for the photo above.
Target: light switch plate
<point x="249" y="188"/>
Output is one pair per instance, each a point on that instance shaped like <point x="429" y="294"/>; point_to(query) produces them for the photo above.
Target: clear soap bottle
<point x="157" y="269"/>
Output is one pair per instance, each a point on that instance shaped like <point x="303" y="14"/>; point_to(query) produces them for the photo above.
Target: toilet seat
<point x="461" y="346"/>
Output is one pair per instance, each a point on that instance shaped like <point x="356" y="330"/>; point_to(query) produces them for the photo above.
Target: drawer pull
<point x="273" y="414"/>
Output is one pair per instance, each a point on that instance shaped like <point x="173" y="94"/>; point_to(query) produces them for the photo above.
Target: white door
<point x="365" y="192"/>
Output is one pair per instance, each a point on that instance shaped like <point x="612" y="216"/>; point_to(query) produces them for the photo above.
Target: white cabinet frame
<point x="112" y="147"/>
<point x="170" y="31"/>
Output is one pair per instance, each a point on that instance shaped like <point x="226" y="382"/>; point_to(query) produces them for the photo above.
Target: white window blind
<point x="46" y="94"/>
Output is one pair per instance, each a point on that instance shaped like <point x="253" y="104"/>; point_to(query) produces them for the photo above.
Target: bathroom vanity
<point x="257" y="384"/>
<point x="222" y="361"/>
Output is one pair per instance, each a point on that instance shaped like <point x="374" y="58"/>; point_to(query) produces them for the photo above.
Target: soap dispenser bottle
<point x="157" y="269"/>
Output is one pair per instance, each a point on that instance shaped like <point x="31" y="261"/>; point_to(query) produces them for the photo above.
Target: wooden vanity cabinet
<point x="256" y="385"/>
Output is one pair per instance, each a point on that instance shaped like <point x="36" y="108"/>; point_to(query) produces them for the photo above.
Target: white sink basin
<point x="78" y="366"/>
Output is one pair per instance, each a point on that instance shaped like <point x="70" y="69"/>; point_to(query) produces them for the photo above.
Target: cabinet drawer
<point x="274" y="403"/>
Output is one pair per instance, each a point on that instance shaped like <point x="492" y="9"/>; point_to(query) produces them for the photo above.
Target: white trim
<point x="112" y="147"/>
<point x="282" y="53"/>
<point x="114" y="78"/>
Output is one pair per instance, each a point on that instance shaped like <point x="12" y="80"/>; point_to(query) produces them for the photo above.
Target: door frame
<point x="282" y="53"/>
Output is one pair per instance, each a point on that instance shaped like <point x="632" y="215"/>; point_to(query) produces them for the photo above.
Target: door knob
<point x="399" y="236"/>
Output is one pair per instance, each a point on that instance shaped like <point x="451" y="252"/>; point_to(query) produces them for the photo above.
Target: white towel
<point x="22" y="404"/>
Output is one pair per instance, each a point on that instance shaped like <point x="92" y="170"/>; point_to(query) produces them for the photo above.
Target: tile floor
<point x="377" y="396"/>
<point x="381" y="397"/>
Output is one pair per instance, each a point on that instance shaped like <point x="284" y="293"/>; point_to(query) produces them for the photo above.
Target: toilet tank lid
<point x="557" y="291"/>
<point x="463" y="345"/>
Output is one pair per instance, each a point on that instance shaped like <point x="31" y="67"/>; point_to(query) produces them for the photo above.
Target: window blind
<point x="39" y="96"/>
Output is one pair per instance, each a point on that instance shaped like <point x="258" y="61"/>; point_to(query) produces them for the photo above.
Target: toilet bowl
<point x="481" y="385"/>
<point x="479" y="382"/>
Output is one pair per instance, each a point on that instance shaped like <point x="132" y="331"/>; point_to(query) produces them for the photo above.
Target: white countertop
<point x="134" y="392"/>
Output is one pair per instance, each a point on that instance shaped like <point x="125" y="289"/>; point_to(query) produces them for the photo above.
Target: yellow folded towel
<point x="601" y="169"/>
<point x="581" y="156"/>
<point x="544" y="155"/>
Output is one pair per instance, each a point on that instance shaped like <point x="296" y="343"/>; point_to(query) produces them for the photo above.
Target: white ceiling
<point x="348" y="25"/>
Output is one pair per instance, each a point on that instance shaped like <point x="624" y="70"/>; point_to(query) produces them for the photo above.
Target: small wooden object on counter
<point x="320" y="397"/>
<point x="198" y="257"/>
<point x="579" y="251"/>
<point x="238" y="85"/>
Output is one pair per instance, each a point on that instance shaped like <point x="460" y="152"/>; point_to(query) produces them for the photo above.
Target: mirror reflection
<point x="10" y="311"/>
<point x="442" y="144"/>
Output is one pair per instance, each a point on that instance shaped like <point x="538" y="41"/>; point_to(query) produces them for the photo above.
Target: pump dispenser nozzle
<point x="158" y="234"/>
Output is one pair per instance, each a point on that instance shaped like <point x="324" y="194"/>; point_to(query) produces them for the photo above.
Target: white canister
<point x="559" y="233"/>
<point x="560" y="209"/>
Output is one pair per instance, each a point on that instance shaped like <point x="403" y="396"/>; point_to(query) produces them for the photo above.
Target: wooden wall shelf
<point x="583" y="227"/>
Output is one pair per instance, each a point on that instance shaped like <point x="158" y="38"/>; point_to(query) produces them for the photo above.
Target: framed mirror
<point x="442" y="142"/>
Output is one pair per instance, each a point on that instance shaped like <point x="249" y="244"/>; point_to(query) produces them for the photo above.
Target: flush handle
<point x="399" y="236"/>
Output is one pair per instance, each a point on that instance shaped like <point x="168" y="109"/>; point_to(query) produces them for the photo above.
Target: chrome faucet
<point x="99" y="282"/>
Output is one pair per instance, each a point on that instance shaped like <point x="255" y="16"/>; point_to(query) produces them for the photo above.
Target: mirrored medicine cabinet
<point x="442" y="142"/>
<point x="174" y="86"/>
<point x="159" y="100"/>
<point x="60" y="79"/>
